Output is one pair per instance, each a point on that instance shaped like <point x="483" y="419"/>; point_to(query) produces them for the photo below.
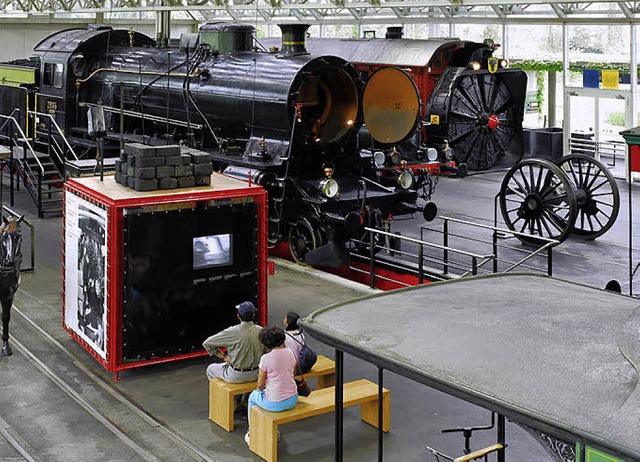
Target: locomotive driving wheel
<point x="597" y="194"/>
<point x="302" y="239"/>
<point x="537" y="198"/>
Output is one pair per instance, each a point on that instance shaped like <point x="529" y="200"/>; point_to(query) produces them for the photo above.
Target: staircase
<point x="41" y="170"/>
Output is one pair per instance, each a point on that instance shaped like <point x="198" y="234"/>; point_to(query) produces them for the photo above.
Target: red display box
<point x="148" y="276"/>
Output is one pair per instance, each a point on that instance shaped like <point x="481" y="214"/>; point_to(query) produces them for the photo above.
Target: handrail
<point x="495" y="228"/>
<point x="479" y="453"/>
<point x="25" y="140"/>
<point x="7" y="121"/>
<point x="428" y="244"/>
<point x="33" y="237"/>
<point x="64" y="138"/>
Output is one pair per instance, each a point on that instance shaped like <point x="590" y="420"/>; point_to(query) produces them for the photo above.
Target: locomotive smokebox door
<point x="391" y="105"/>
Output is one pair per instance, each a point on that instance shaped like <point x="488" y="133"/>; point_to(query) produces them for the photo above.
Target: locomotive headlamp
<point x="405" y="178"/>
<point x="432" y="154"/>
<point x="330" y="187"/>
<point x="447" y="151"/>
<point x="475" y="65"/>
<point x="504" y="63"/>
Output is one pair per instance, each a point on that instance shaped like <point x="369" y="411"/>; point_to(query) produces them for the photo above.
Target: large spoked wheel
<point x="537" y="198"/>
<point x="597" y="194"/>
<point x="302" y="239"/>
<point x="481" y="122"/>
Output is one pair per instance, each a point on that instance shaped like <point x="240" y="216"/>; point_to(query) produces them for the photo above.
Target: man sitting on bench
<point x="244" y="350"/>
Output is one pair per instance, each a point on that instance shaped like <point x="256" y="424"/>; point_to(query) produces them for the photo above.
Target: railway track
<point x="69" y="400"/>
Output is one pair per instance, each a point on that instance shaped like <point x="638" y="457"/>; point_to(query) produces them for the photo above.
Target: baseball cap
<point x="245" y="307"/>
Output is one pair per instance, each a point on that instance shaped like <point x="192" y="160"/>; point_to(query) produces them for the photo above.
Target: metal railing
<point x="434" y="261"/>
<point x="500" y="234"/>
<point x="598" y="149"/>
<point x="60" y="151"/>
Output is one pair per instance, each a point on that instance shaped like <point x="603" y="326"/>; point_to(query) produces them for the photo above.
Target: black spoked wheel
<point x="537" y="198"/>
<point x="480" y="120"/>
<point x="597" y="194"/>
<point x="302" y="239"/>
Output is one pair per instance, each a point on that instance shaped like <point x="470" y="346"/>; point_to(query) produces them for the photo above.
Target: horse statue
<point x="10" y="261"/>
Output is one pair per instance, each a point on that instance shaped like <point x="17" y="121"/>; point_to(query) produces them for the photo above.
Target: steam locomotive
<point x="285" y="120"/>
<point x="474" y="101"/>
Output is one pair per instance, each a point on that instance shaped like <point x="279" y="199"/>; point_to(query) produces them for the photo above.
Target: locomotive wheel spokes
<point x="597" y="194"/>
<point x="537" y="198"/>
<point x="480" y="122"/>
<point x="302" y="239"/>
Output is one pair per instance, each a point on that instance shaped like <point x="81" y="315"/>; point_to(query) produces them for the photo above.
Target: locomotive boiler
<point x="474" y="101"/>
<point x="287" y="120"/>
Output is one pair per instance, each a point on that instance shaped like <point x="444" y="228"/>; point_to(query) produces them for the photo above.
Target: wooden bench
<point x="264" y="424"/>
<point x="221" y="393"/>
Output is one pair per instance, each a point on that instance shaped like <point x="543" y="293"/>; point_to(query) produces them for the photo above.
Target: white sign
<point x="86" y="271"/>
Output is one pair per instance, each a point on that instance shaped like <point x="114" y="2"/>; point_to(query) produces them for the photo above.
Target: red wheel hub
<point x="493" y="122"/>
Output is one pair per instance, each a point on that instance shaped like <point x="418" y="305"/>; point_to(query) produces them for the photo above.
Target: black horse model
<point x="10" y="261"/>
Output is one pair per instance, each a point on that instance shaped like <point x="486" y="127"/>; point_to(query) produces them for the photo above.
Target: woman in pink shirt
<point x="277" y="390"/>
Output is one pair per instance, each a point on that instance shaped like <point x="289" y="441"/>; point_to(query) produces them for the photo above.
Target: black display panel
<point x="175" y="295"/>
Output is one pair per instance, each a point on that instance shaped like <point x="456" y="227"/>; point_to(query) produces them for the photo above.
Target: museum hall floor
<point x="57" y="403"/>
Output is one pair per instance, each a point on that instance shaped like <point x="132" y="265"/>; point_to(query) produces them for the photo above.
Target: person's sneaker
<point x="247" y="438"/>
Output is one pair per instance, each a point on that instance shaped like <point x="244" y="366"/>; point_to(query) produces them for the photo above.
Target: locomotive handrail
<point x="153" y="118"/>
<point x="64" y="138"/>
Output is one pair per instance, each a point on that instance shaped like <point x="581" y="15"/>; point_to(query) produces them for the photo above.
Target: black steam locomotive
<point x="285" y="120"/>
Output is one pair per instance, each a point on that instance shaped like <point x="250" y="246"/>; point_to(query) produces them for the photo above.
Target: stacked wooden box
<point x="148" y="168"/>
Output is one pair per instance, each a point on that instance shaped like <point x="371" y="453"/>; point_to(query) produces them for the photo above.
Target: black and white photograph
<point x="85" y="258"/>
<point x="211" y="251"/>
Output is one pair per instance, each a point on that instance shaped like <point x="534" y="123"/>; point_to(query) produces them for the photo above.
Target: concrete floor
<point x="165" y="403"/>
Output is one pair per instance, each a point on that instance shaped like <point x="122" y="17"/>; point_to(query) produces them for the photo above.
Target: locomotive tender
<point x="286" y="120"/>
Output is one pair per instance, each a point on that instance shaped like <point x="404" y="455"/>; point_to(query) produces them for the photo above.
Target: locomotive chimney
<point x="293" y="39"/>
<point x="394" y="32"/>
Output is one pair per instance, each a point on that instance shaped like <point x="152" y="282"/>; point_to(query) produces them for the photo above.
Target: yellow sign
<point x="434" y="119"/>
<point x="492" y="64"/>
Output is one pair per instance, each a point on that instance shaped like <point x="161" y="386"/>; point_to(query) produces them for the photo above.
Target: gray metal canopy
<point x="354" y="11"/>
<point x="556" y="356"/>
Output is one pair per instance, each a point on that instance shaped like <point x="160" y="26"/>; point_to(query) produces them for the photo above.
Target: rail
<point x="52" y="121"/>
<point x="440" y="261"/>
<point x="598" y="149"/>
<point x="501" y="233"/>
<point x="32" y="230"/>
<point x="23" y="139"/>
<point x="477" y="260"/>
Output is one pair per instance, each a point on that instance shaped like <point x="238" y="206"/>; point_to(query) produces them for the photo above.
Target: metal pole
<point x="550" y="261"/>
<point x="372" y="275"/>
<point x="380" y="414"/>
<point x="420" y="264"/>
<point x="445" y="243"/>
<point x="501" y="437"/>
<point x="474" y="266"/>
<point x="630" y="224"/>
<point x="495" y="251"/>
<point x="339" y="418"/>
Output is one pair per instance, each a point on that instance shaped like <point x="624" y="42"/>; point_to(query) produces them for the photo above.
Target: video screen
<point x="210" y="251"/>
